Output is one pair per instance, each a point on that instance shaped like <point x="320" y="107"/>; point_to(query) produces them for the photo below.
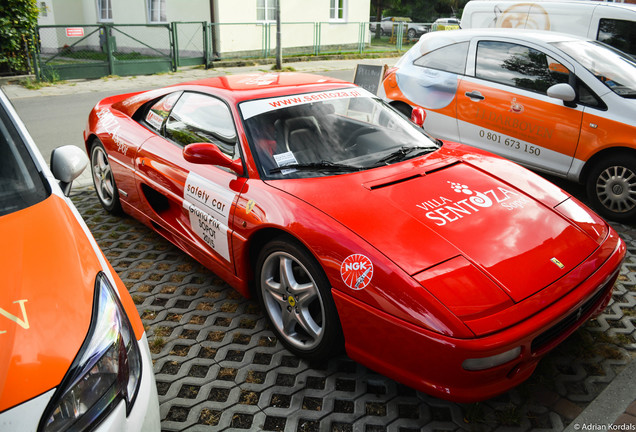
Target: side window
<point x="158" y="113"/>
<point x="451" y="58"/>
<point x="518" y="66"/>
<point x="200" y="118"/>
<point x="620" y="34"/>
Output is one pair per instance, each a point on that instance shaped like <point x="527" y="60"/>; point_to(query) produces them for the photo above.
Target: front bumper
<point x="432" y="363"/>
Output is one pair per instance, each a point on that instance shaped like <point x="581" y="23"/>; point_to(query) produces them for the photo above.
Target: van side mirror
<point x="562" y="91"/>
<point x="67" y="163"/>
<point x="418" y="115"/>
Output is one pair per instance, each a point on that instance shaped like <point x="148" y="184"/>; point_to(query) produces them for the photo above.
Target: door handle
<point x="475" y="95"/>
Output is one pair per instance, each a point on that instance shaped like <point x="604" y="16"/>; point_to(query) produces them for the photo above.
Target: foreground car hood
<point x="421" y="219"/>
<point x="49" y="269"/>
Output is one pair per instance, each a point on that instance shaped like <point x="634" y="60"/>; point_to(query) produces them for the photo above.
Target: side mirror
<point x="562" y="91"/>
<point x="418" y="115"/>
<point x="67" y="163"/>
<point x="209" y="154"/>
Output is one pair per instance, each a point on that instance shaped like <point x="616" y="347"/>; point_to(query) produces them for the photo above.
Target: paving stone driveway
<point x="219" y="367"/>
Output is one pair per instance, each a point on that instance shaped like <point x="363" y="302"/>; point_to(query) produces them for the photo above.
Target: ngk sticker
<point x="356" y="271"/>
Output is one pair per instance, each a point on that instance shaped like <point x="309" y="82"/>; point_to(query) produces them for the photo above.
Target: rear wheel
<point x="295" y="293"/>
<point x="411" y="33"/>
<point x="104" y="180"/>
<point x="611" y="188"/>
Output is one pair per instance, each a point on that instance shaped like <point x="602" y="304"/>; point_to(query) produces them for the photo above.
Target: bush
<point x="18" y="21"/>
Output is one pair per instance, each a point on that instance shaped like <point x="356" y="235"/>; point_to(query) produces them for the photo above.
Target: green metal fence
<point x="92" y="51"/>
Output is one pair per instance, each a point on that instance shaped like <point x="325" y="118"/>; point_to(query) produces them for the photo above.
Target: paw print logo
<point x="477" y="198"/>
<point x="460" y="188"/>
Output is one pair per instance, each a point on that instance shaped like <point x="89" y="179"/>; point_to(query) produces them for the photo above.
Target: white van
<point x="612" y="23"/>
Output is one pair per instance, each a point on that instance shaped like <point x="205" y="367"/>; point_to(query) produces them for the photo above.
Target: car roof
<point x="237" y="88"/>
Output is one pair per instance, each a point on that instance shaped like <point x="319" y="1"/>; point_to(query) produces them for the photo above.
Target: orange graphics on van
<point x="552" y="102"/>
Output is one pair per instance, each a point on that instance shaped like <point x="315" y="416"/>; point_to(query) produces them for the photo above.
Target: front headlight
<point x="106" y="370"/>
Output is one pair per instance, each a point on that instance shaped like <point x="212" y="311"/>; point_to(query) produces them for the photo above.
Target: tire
<point x="411" y="34"/>
<point x="103" y="179"/>
<point x="611" y="187"/>
<point x="294" y="292"/>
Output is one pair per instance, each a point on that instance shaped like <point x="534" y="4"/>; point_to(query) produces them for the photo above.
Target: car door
<point x="193" y="202"/>
<point x="503" y="107"/>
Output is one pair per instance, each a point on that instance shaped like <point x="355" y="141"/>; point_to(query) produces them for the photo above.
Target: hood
<point x="48" y="268"/>
<point x="421" y="219"/>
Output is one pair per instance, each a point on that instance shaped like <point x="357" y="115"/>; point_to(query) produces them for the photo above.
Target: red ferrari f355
<point x="444" y="267"/>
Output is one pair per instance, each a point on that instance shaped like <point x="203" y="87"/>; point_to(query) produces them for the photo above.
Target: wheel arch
<point x="256" y="243"/>
<point x="604" y="154"/>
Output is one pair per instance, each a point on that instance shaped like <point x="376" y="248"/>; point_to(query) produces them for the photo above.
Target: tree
<point x="18" y="21"/>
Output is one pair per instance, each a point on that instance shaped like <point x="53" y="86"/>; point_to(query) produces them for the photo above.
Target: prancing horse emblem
<point x="558" y="263"/>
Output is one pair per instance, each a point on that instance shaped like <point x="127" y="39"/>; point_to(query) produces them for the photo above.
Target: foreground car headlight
<point x="106" y="370"/>
<point x="478" y="364"/>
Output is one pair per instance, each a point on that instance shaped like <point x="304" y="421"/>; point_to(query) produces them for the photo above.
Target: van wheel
<point x="295" y="293"/>
<point x="104" y="180"/>
<point x="611" y="188"/>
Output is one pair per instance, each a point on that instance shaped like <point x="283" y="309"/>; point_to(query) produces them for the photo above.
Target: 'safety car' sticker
<point x="356" y="271"/>
<point x="209" y="208"/>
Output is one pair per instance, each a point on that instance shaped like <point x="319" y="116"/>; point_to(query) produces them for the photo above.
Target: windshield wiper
<point x="403" y="153"/>
<point x="325" y="166"/>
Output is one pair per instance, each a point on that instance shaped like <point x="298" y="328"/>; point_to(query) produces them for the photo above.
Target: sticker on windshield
<point x="253" y="108"/>
<point x="356" y="271"/>
<point x="284" y="159"/>
<point x="208" y="206"/>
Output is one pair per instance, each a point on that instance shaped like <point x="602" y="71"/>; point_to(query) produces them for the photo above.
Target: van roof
<point x="590" y="3"/>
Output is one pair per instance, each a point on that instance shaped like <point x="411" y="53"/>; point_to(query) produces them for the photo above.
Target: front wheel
<point x="611" y="188"/>
<point x="411" y="34"/>
<point x="295" y="293"/>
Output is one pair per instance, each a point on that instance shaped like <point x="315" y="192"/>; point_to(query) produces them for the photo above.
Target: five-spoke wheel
<point x="295" y="294"/>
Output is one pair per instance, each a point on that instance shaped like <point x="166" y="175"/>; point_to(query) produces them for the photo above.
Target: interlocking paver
<point x="219" y="367"/>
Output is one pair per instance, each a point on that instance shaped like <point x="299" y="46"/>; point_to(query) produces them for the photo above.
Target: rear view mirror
<point x="205" y="153"/>
<point x="67" y="163"/>
<point x="418" y="115"/>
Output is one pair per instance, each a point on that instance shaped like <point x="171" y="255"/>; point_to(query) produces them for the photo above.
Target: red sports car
<point x="439" y="265"/>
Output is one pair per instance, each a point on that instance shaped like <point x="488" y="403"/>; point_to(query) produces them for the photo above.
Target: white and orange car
<point x="556" y="103"/>
<point x="73" y="351"/>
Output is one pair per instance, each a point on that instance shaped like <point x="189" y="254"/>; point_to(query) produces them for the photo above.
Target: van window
<point x="620" y="34"/>
<point x="451" y="58"/>
<point x="518" y="66"/>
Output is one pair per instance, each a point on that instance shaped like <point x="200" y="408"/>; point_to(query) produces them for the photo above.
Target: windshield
<point x="20" y="183"/>
<point x="613" y="68"/>
<point x="327" y="133"/>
